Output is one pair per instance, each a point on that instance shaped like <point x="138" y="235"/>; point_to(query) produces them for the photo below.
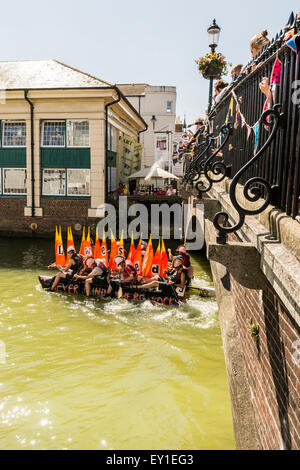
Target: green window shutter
<point x="65" y="157"/>
<point x="13" y="157"/>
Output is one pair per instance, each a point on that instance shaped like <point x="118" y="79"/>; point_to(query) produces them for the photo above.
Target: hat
<point x="181" y="249"/>
<point x="119" y="259"/>
<point x="90" y="262"/>
<point x="71" y="248"/>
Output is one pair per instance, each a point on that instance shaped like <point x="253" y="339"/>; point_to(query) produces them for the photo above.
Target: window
<point x="14" y="134"/>
<point x="78" y="182"/>
<point x="53" y="134"/>
<point x="169" y="106"/>
<point x="78" y="133"/>
<point x="14" y="181"/>
<point x="54" y="182"/>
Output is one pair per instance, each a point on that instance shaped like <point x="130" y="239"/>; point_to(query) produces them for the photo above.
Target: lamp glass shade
<point x="213" y="34"/>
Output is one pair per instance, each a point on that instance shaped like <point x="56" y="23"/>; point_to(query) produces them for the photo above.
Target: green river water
<point x="78" y="373"/>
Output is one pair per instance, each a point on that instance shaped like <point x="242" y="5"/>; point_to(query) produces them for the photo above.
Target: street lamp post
<point x="213" y="41"/>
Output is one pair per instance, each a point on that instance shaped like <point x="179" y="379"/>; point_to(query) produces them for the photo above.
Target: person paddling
<point x="98" y="270"/>
<point x="73" y="267"/>
<point x="126" y="275"/>
<point x="187" y="266"/>
<point x="176" y="276"/>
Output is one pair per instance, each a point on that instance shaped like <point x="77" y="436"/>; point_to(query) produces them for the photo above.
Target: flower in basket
<point x="213" y="61"/>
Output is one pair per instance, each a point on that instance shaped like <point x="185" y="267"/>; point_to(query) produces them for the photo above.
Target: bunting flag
<point x="132" y="250"/>
<point x="113" y="252"/>
<point x="249" y="129"/>
<point x="289" y="34"/>
<point x="104" y="251"/>
<point x="121" y="250"/>
<point x="291" y="43"/>
<point x="97" y="249"/>
<point x="164" y="260"/>
<point x="59" y="249"/>
<point x="155" y="270"/>
<point x="237" y="116"/>
<point x="148" y="259"/>
<point x="256" y="134"/>
<point x="276" y="72"/>
<point x="70" y="243"/>
<point x="230" y="110"/>
<point x="138" y="258"/>
<point x="81" y="252"/>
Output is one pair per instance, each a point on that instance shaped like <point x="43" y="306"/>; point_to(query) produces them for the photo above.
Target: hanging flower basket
<point x="212" y="65"/>
<point x="212" y="72"/>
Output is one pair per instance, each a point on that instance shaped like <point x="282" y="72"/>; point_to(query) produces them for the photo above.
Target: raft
<point x="168" y="295"/>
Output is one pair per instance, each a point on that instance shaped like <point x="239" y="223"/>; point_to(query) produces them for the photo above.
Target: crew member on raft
<point x="187" y="266"/>
<point x="176" y="276"/>
<point x="126" y="275"/>
<point x="99" y="270"/>
<point x="73" y="267"/>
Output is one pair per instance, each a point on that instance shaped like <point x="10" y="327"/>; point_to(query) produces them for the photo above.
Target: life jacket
<point x="186" y="260"/>
<point x="78" y="263"/>
<point x="104" y="269"/>
<point x="175" y="276"/>
<point x="129" y="270"/>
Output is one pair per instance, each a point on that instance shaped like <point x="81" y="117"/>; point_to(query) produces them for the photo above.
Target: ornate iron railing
<point x="215" y="170"/>
<point x="274" y="170"/>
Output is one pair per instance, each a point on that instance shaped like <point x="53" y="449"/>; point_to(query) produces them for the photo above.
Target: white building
<point x="157" y="106"/>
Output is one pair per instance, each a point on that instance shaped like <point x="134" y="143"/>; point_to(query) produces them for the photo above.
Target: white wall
<point x="154" y="102"/>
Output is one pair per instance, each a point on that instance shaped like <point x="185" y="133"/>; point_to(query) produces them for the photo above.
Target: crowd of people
<point x="87" y="269"/>
<point x="148" y="190"/>
<point x="257" y="43"/>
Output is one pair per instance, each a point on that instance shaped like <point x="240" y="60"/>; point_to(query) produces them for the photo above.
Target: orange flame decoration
<point x="148" y="259"/>
<point x="132" y="250"/>
<point x="164" y="260"/>
<point x="113" y="252"/>
<point x="60" y="258"/>
<point x="70" y="242"/>
<point x="97" y="251"/>
<point x="155" y="269"/>
<point x="138" y="258"/>
<point x="104" y="251"/>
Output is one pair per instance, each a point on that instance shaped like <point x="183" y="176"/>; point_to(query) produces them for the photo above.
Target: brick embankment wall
<point x="272" y="365"/>
<point x="61" y="212"/>
<point x="264" y="286"/>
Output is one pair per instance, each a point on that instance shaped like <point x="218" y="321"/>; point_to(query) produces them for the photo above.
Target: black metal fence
<point x="243" y="106"/>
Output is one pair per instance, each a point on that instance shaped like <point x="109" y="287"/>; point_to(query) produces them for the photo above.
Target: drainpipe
<point x="106" y="139"/>
<point x="32" y="152"/>
<point x="144" y="130"/>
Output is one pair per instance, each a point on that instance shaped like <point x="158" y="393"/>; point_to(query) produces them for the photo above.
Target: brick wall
<point x="12" y="206"/>
<point x="70" y="208"/>
<point x="272" y="366"/>
<point x="62" y="212"/>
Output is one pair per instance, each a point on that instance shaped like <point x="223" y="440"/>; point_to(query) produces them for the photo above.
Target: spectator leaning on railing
<point x="257" y="43"/>
<point x="236" y="71"/>
<point x="220" y="90"/>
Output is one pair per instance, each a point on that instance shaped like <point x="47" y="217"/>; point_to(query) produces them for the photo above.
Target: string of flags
<point x="146" y="262"/>
<point x="240" y="118"/>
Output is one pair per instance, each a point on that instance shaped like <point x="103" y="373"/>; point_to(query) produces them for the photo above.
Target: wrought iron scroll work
<point x="216" y="168"/>
<point x="253" y="188"/>
<point x="195" y="170"/>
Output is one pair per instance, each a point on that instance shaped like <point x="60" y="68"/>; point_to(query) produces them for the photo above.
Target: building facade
<point x="157" y="106"/>
<point x="60" y="132"/>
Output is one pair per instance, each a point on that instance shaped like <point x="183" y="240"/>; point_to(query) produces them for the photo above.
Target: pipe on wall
<point x="32" y="151"/>
<point x="106" y="139"/>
